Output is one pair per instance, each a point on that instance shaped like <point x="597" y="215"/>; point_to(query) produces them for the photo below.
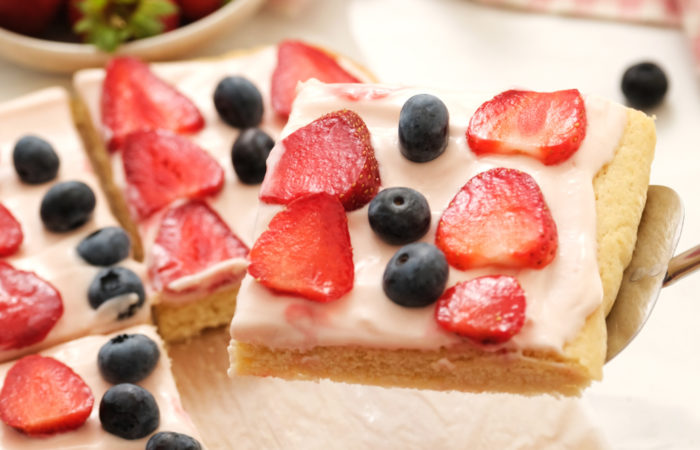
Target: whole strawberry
<point x="196" y="9"/>
<point x="28" y="16"/>
<point x="109" y="23"/>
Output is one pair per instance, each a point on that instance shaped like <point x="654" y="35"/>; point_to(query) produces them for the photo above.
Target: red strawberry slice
<point x="488" y="310"/>
<point x="11" y="235"/>
<point x="499" y="218"/>
<point x="332" y="154"/>
<point x="29" y="308"/>
<point x="42" y="396"/>
<point x="161" y="166"/>
<point x="549" y="126"/>
<point x="192" y="238"/>
<point x="297" y="61"/>
<point x="306" y="250"/>
<point x="133" y="98"/>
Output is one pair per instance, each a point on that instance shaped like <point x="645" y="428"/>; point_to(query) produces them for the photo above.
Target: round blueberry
<point x="238" y="102"/>
<point x="35" y="160"/>
<point x="114" y="283"/>
<point x="416" y="275"/>
<point x="644" y="85"/>
<point x="249" y="155"/>
<point x="168" y="440"/>
<point x="67" y="206"/>
<point x="399" y="215"/>
<point x="423" y="128"/>
<point x="105" y="246"/>
<point x="129" y="411"/>
<point x="128" y="358"/>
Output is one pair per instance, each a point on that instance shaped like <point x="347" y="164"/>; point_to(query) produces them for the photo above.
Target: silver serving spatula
<point x="653" y="266"/>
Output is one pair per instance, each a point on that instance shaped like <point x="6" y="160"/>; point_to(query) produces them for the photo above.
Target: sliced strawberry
<point x="332" y="154"/>
<point x="549" y="126"/>
<point x="499" y="218"/>
<point x="192" y="238"/>
<point x="134" y="98"/>
<point x="29" y="308"/>
<point x="11" y="235"/>
<point x="42" y="395"/>
<point x="298" y="61"/>
<point x="306" y="250"/>
<point x="161" y="166"/>
<point x="488" y="310"/>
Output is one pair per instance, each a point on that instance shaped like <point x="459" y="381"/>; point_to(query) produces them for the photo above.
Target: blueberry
<point x="644" y="85"/>
<point x="416" y="275"/>
<point x="249" y="154"/>
<point x="129" y="411"/>
<point x="128" y="358"/>
<point x="35" y="160"/>
<point x="67" y="206"/>
<point x="105" y="246"/>
<point x="115" y="282"/>
<point x="423" y="128"/>
<point x="238" y="102"/>
<point x="168" y="440"/>
<point x="399" y="215"/>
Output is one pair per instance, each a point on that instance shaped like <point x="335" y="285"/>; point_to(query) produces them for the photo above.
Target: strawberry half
<point x="332" y="154"/>
<point x="42" y="395"/>
<point x="161" y="166"/>
<point x="134" y="98"/>
<point x="549" y="126"/>
<point x="499" y="218"/>
<point x="11" y="235"/>
<point x="306" y="250"/>
<point x="297" y="61"/>
<point x="488" y="310"/>
<point x="29" y="308"/>
<point x="192" y="238"/>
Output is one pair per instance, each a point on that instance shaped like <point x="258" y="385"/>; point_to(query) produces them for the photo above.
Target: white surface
<point x="650" y="397"/>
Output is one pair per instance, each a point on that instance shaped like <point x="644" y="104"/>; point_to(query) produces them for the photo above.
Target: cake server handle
<point x="682" y="265"/>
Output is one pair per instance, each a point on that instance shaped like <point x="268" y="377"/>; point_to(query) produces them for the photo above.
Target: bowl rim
<point x="85" y="49"/>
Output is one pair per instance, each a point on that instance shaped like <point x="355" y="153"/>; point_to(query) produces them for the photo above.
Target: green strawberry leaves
<point x="109" y="23"/>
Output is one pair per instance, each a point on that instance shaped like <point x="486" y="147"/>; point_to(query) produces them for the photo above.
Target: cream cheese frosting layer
<point x="51" y="255"/>
<point x="559" y="297"/>
<point x="197" y="80"/>
<point x="81" y="356"/>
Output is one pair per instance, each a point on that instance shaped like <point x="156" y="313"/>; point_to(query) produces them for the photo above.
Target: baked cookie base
<point x="178" y="322"/>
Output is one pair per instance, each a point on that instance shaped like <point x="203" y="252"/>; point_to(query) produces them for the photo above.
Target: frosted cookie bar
<point x="102" y="392"/>
<point x="533" y="201"/>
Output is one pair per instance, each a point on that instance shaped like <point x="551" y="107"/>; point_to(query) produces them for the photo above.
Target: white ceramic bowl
<point x="63" y="57"/>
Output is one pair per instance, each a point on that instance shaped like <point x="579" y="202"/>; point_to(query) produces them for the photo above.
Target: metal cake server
<point x="653" y="266"/>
